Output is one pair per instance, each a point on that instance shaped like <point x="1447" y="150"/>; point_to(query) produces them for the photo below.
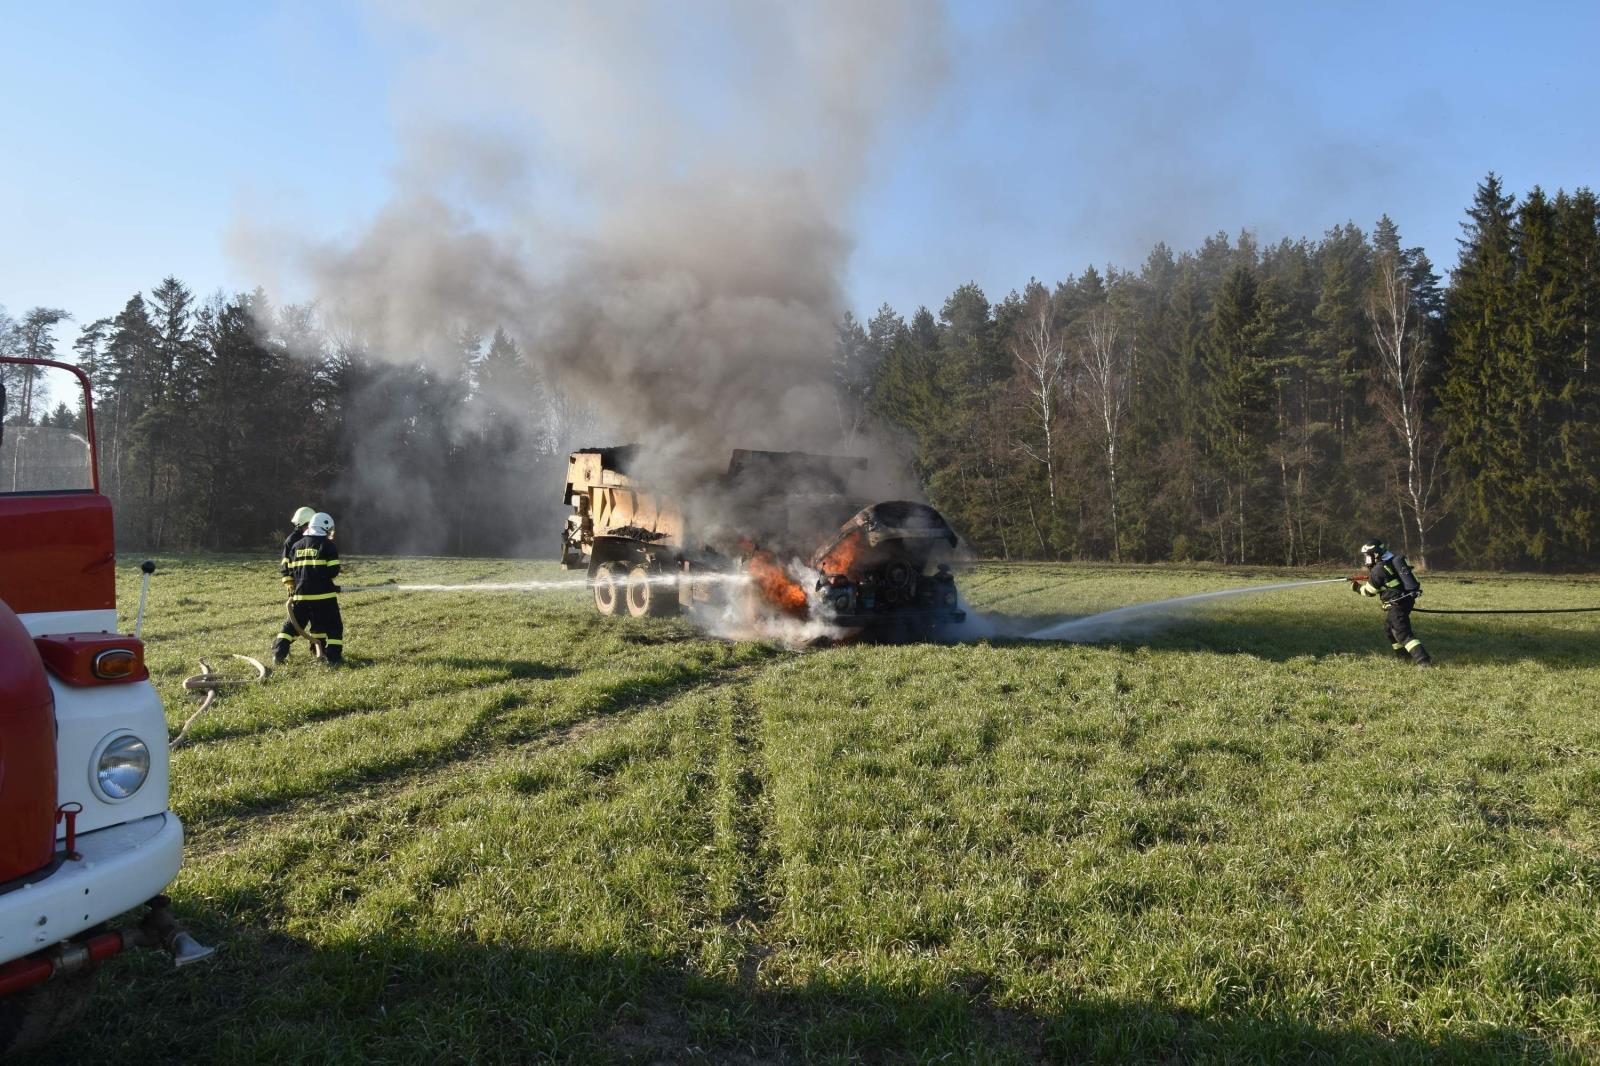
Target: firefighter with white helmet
<point x="313" y="565"/>
<point x="297" y="529"/>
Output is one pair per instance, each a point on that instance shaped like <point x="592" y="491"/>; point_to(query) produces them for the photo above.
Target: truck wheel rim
<point x="605" y="589"/>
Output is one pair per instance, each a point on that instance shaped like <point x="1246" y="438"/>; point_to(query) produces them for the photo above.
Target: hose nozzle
<point x="148" y="567"/>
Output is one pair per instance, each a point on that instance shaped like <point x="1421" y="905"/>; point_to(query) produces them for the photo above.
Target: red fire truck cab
<point x="85" y="831"/>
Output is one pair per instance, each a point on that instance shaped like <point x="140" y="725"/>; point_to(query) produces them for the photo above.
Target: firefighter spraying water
<point x="312" y="563"/>
<point x="297" y="529"/>
<point x="1390" y="579"/>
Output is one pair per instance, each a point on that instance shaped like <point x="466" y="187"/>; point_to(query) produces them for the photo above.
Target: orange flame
<point x="842" y="556"/>
<point x="775" y="585"/>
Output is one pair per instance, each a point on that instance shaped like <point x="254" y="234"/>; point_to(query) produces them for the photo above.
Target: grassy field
<point x="514" y="831"/>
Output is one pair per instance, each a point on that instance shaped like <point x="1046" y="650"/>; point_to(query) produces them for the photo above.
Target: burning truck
<point x="86" y="833"/>
<point x="778" y="535"/>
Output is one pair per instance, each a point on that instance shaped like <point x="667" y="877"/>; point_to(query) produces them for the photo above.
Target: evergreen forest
<point x="1238" y="403"/>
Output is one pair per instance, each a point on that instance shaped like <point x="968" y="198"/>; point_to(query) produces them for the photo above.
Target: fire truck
<point x="86" y="835"/>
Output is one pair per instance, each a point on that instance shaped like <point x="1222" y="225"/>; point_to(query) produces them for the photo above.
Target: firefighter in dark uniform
<point x="1389" y="578"/>
<point x="313" y="564"/>
<point x="298" y="523"/>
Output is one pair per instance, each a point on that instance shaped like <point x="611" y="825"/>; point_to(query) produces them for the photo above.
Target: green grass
<point x="513" y="831"/>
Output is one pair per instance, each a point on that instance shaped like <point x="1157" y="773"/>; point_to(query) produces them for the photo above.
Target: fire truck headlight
<point x="120" y="767"/>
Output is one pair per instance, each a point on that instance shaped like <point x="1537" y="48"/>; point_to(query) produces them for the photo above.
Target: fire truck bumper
<point x="118" y="868"/>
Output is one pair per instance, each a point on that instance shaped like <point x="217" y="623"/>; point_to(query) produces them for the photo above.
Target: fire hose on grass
<point x="209" y="682"/>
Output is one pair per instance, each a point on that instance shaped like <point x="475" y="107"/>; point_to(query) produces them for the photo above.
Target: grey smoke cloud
<point x="653" y="198"/>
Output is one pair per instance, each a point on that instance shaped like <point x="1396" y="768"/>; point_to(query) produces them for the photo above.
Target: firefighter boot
<point x="1419" y="654"/>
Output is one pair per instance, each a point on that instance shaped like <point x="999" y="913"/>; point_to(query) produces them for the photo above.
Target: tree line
<point x="216" y="419"/>
<point x="1238" y="403"/>
<point x="1267" y="404"/>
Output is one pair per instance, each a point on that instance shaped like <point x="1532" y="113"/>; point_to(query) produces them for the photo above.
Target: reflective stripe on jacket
<point x="1393" y="580"/>
<point x="313" y="563"/>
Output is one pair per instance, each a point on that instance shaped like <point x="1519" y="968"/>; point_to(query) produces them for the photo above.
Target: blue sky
<point x="134" y="136"/>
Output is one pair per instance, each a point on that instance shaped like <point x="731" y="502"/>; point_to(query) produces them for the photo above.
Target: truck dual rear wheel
<point x="608" y="589"/>
<point x="649" y="594"/>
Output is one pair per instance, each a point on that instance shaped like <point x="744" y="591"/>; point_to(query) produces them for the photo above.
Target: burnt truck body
<point x="781" y="532"/>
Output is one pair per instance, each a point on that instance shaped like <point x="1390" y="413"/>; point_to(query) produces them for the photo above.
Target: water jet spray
<point x="1107" y="623"/>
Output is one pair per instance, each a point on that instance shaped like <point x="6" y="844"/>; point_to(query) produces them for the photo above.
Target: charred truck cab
<point x="85" y="830"/>
<point x="783" y="529"/>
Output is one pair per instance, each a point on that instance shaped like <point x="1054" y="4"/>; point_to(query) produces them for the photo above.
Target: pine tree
<point x="122" y="391"/>
<point x="171" y="374"/>
<point x="1570" y="442"/>
<point x="1237" y="366"/>
<point x="1577" y="451"/>
<point x="1486" y="389"/>
<point x="854" y="365"/>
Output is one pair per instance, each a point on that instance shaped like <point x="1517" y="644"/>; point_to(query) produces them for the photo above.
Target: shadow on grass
<point x="269" y="998"/>
<point x="511" y="669"/>
<point x="1449" y="639"/>
<point x="488" y="730"/>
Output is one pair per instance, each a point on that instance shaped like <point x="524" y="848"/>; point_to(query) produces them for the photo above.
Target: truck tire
<point x="608" y="589"/>
<point x="648" y="595"/>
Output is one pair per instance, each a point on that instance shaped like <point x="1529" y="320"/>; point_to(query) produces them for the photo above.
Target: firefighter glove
<point x="1368" y="590"/>
<point x="1355" y="586"/>
<point x="288" y="582"/>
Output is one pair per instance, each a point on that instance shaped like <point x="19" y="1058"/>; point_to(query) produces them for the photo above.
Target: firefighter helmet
<point x="302" y="517"/>
<point x="1373" y="550"/>
<point x="321" y="524"/>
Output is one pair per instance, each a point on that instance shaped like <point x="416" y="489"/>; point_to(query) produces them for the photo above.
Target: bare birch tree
<point x="1043" y="362"/>
<point x="1107" y="365"/>
<point x="1400" y="391"/>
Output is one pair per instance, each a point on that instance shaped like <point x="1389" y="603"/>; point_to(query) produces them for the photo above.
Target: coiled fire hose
<point x="209" y="682"/>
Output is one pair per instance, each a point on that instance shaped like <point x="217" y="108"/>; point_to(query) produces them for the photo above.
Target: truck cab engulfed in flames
<point x="780" y="534"/>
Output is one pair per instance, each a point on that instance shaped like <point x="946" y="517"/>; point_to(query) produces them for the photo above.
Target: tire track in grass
<point x="218" y="828"/>
<point x="741" y="891"/>
<point x="263" y="773"/>
<point x="428" y="861"/>
<point x="464" y="735"/>
<point x="338" y="704"/>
